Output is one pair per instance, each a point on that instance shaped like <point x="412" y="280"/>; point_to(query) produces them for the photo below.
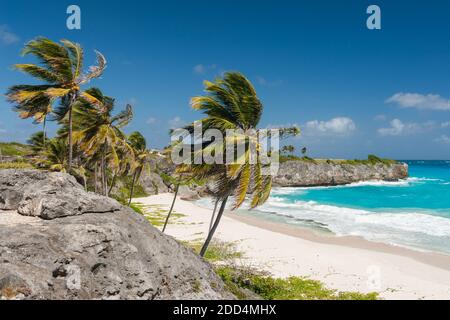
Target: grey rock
<point x="48" y="195"/>
<point x="186" y="193"/>
<point x="92" y="255"/>
<point x="308" y="173"/>
<point x="153" y="183"/>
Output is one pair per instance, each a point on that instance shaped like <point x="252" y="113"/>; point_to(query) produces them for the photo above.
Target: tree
<point x="60" y="68"/>
<point x="288" y="149"/>
<point x="99" y="133"/>
<point x="141" y="155"/>
<point x="54" y="156"/>
<point x="177" y="180"/>
<point x="231" y="103"/>
<point x="37" y="142"/>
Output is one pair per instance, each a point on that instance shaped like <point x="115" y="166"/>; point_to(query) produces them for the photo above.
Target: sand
<point x="342" y="263"/>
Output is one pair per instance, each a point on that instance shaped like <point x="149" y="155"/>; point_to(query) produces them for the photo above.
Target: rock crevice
<point x="84" y="246"/>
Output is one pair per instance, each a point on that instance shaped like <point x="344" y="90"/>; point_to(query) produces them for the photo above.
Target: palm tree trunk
<point x="113" y="183"/>
<point x="214" y="228"/>
<point x="103" y="170"/>
<point x="171" y="207"/>
<point x="44" y="129"/>
<point x="132" y="187"/>
<point x="213" y="215"/>
<point x="70" y="139"/>
<point x="95" y="177"/>
<point x="106" y="179"/>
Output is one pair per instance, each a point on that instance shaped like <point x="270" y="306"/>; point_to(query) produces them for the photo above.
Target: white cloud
<point x="176" y="123"/>
<point x="202" y="69"/>
<point x="445" y="124"/>
<point x="398" y="128"/>
<point x="151" y="120"/>
<point x="443" y="139"/>
<point x="339" y="125"/>
<point x="266" y="83"/>
<point x="380" y="117"/>
<point x="6" y="36"/>
<point x="420" y="101"/>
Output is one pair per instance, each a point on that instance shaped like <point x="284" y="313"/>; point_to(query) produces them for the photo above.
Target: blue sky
<point x="353" y="91"/>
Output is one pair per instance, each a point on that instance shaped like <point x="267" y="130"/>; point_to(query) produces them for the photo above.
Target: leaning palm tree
<point x="177" y="180"/>
<point x="231" y="103"/>
<point x="60" y="68"/>
<point x="99" y="133"/>
<point x="141" y="155"/>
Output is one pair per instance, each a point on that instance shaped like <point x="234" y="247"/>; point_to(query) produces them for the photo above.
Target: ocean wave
<point x="370" y="183"/>
<point x="350" y="221"/>
<point x="415" y="179"/>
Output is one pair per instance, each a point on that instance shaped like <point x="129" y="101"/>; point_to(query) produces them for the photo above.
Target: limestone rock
<point x="103" y="251"/>
<point x="308" y="173"/>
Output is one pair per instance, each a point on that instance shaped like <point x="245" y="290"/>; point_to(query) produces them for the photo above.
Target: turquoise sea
<point x="414" y="212"/>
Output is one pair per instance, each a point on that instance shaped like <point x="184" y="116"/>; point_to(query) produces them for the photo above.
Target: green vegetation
<point x="15" y="165"/>
<point x="247" y="283"/>
<point x="90" y="143"/>
<point x="292" y="288"/>
<point x="155" y="214"/>
<point x="14" y="149"/>
<point x="60" y="73"/>
<point x="217" y="251"/>
<point x="371" y="160"/>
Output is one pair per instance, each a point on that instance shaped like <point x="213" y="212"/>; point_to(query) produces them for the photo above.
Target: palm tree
<point x="177" y="181"/>
<point x="60" y="68"/>
<point x="37" y="142"/>
<point x="288" y="149"/>
<point x="99" y="133"/>
<point x="141" y="155"/>
<point x="231" y="103"/>
<point x="54" y="156"/>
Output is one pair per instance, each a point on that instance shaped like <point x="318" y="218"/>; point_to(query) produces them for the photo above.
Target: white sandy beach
<point x="342" y="263"/>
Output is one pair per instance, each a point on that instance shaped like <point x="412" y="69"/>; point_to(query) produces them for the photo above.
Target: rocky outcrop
<point x="59" y="242"/>
<point x="48" y="195"/>
<point x="151" y="180"/>
<point x="310" y="173"/>
<point x="153" y="183"/>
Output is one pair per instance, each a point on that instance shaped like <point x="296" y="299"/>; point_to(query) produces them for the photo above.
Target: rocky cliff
<point x="311" y="173"/>
<point x="59" y="242"/>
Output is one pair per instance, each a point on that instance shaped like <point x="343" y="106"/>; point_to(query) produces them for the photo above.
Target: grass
<point x="249" y="283"/>
<point x="15" y="165"/>
<point x="371" y="160"/>
<point x="155" y="214"/>
<point x="241" y="281"/>
<point x="217" y="251"/>
<point x="14" y="149"/>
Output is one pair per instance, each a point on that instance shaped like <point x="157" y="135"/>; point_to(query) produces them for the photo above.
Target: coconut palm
<point x="54" y="156"/>
<point x="177" y="180"/>
<point x="99" y="133"/>
<point x="231" y="103"/>
<point x="60" y="68"/>
<point x="141" y="159"/>
<point x="36" y="142"/>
